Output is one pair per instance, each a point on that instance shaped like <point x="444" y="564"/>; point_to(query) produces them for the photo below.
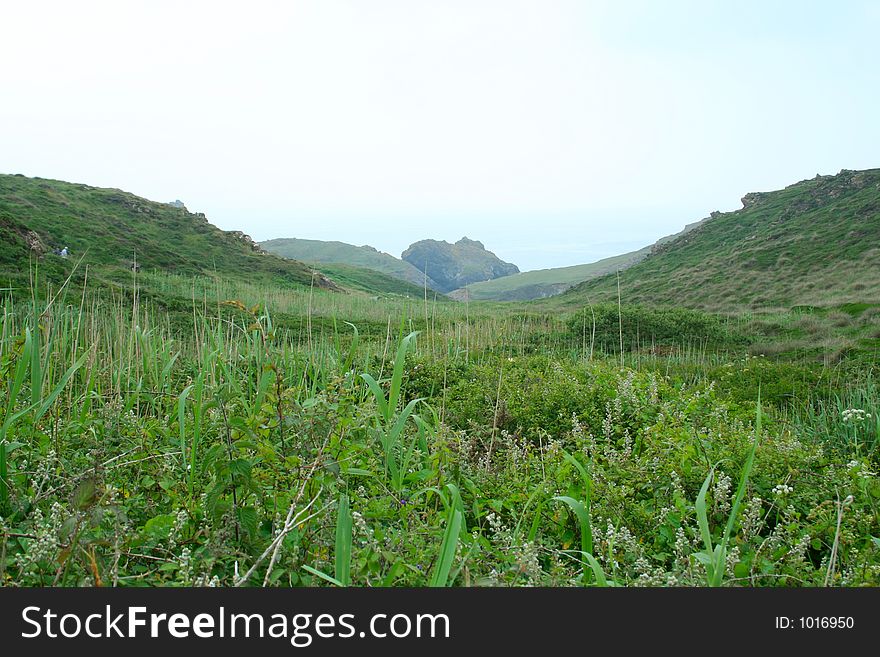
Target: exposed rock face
<point x="818" y="190"/>
<point x="247" y="239"/>
<point x="751" y="199"/>
<point x="177" y="204"/>
<point x="452" y="266"/>
<point x="323" y="282"/>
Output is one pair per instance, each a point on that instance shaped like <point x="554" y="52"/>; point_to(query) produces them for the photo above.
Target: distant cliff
<point x="452" y="266"/>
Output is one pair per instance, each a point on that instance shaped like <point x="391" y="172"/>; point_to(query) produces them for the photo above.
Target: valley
<point x="182" y="407"/>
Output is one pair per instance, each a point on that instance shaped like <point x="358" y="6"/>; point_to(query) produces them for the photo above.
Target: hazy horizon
<point x="557" y="133"/>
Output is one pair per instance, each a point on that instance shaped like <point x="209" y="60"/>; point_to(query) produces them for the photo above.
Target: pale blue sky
<point x="557" y="132"/>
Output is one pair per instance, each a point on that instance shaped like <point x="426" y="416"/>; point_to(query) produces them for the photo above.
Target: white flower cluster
<point x="859" y="469"/>
<point x="733" y="556"/>
<point x="500" y="533"/>
<point x="45" y="545"/>
<point x="683" y="547"/>
<point x="366" y="537"/>
<point x="517" y="450"/>
<point x="855" y="415"/>
<point x="527" y="561"/>
<point x="176" y="532"/>
<point x="206" y="581"/>
<point x="752" y="522"/>
<point x="798" y="553"/>
<point x="185" y="564"/>
<point x="781" y="490"/>
<point x="721" y="493"/>
<point x="608" y="422"/>
<point x="524" y="555"/>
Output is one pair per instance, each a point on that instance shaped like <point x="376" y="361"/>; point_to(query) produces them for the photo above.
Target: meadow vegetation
<point x="185" y="429"/>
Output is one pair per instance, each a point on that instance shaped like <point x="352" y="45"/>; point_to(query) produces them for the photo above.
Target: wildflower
<point x="682" y="545"/>
<point x="798" y="552"/>
<point x="855" y="415"/>
<point x="721" y="493"/>
<point x="526" y="558"/>
<point x="781" y="490"/>
<point x="176" y="532"/>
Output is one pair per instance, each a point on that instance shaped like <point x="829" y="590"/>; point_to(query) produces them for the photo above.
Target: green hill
<point x="319" y="252"/>
<point x="111" y="229"/>
<point x="546" y="282"/>
<point x="816" y="242"/>
<point x="375" y="282"/>
<point x="455" y="265"/>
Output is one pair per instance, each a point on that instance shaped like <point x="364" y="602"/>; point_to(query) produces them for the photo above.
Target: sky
<point x="556" y="132"/>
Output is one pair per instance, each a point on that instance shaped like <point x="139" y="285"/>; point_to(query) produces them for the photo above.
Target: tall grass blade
<point x="448" y="546"/>
<point x="343" y="542"/>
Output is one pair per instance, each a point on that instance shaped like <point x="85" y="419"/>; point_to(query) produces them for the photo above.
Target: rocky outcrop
<point x="248" y="240"/>
<point x="452" y="266"/>
<point x="751" y="199"/>
<point x="817" y="191"/>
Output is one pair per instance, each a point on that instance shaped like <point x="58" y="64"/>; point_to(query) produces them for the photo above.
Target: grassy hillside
<point x="374" y="282"/>
<point x="547" y="282"/>
<point x="319" y="252"/>
<point x="814" y="243"/>
<point x="110" y="228"/>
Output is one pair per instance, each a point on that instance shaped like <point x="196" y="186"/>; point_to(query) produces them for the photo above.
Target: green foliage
<point x="152" y="437"/>
<point x="343" y="542"/>
<point x="715" y="559"/>
<point x="449" y="543"/>
<point x="391" y="423"/>
<point x="581" y="509"/>
<point x="644" y="328"/>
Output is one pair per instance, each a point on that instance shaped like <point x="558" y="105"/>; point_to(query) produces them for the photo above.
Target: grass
<point x="199" y="427"/>
<point x="163" y="431"/>
<point x="375" y="283"/>
<point x="392" y="421"/>
<point x="581" y="509"/>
